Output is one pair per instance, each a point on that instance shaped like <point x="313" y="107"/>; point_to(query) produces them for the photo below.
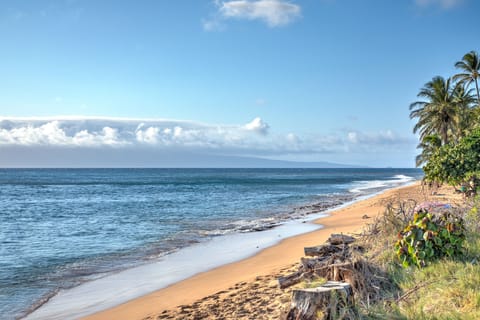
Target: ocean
<point x="64" y="231"/>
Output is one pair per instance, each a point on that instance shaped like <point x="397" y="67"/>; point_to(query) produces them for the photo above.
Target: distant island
<point x="125" y="158"/>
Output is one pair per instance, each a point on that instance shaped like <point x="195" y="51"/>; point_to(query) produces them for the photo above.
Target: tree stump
<point x="333" y="300"/>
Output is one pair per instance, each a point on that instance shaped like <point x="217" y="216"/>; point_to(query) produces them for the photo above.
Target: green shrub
<point x="429" y="237"/>
<point x="457" y="164"/>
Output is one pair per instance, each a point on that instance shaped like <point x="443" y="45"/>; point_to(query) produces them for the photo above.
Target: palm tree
<point x="439" y="114"/>
<point x="467" y="116"/>
<point x="470" y="65"/>
<point x="428" y="145"/>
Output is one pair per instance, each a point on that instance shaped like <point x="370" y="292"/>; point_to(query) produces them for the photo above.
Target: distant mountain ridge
<point x="252" y="162"/>
<point x="31" y="157"/>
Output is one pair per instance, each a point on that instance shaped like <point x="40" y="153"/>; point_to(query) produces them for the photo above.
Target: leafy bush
<point x="429" y="237"/>
<point x="457" y="164"/>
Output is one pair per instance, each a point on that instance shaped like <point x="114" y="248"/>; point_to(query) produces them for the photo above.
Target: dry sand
<point x="248" y="289"/>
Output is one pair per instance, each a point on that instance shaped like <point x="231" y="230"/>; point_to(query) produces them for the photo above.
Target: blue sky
<point x="311" y="80"/>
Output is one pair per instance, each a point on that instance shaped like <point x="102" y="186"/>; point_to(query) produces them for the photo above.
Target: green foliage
<point x="457" y="164"/>
<point x="429" y="237"/>
<point x="470" y="65"/>
<point x="472" y="217"/>
<point x="429" y="145"/>
<point x="448" y="109"/>
<point x="445" y="289"/>
<point x="439" y="110"/>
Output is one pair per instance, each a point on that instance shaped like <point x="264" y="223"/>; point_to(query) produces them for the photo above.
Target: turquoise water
<point x="63" y="227"/>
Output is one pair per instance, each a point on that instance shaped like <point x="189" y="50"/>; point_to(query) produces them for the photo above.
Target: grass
<point x="445" y="289"/>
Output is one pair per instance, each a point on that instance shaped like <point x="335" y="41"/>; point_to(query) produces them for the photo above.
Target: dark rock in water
<point x="264" y="227"/>
<point x="257" y="228"/>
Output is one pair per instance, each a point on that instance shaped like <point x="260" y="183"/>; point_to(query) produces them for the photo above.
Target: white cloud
<point x="274" y="13"/>
<point x="377" y="138"/>
<point x="53" y="133"/>
<point x="444" y="4"/>
<point x="258" y="125"/>
<point x="212" y="24"/>
<point x="98" y="132"/>
<point x="292" y="138"/>
<point x="352" y="137"/>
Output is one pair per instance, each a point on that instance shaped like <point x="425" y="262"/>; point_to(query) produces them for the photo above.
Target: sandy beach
<point x="251" y="283"/>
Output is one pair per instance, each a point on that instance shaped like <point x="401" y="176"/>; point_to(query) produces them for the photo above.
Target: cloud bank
<point x="80" y="140"/>
<point x="110" y="132"/>
<point x="275" y="13"/>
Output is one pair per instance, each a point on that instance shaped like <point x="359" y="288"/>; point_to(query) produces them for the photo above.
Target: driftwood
<point x="291" y="279"/>
<point x="340" y="239"/>
<point x="333" y="261"/>
<point x="330" y="261"/>
<point x="333" y="300"/>
<point x="341" y="262"/>
<point x="310" y="264"/>
<point x="322" y="250"/>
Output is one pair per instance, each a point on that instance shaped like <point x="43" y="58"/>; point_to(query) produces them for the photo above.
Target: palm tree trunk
<point x="478" y="93"/>
<point x="445" y="134"/>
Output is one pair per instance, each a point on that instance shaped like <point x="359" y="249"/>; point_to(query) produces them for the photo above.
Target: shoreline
<point x="125" y="285"/>
<point x="268" y="261"/>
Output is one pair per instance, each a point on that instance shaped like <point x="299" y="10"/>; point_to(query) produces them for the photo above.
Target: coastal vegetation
<point x="448" y="124"/>
<point x="431" y="253"/>
<point x="429" y="237"/>
<point x="457" y="164"/>
<point x="443" y="288"/>
<point x="423" y="258"/>
<point x="413" y="261"/>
